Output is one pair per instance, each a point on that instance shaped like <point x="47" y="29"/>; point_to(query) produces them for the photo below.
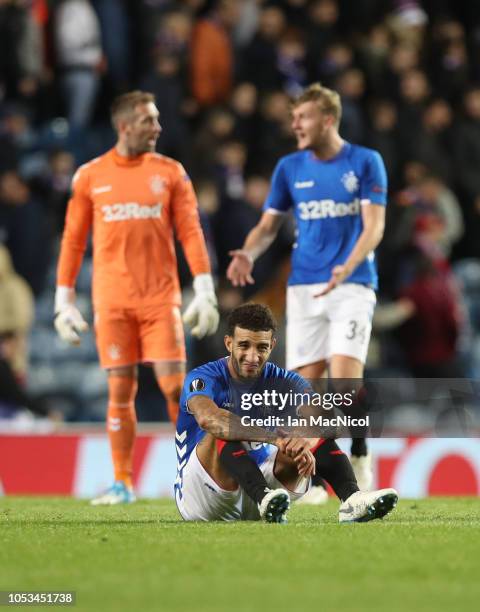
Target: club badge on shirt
<point x="197" y="384"/>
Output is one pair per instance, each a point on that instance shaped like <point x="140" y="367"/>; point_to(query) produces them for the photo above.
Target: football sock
<point x="318" y="481"/>
<point x="359" y="447"/>
<point x="358" y="410"/>
<point x="237" y="462"/>
<point x="333" y="465"/>
<point x="171" y="386"/>
<point x="122" y="425"/>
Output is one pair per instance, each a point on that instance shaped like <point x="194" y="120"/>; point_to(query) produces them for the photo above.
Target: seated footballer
<point x="227" y="471"/>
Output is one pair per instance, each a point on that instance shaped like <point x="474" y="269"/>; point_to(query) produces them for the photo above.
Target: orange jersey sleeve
<point x="78" y="221"/>
<point x="187" y="226"/>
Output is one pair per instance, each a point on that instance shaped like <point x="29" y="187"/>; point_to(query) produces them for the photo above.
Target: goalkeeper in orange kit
<point x="135" y="201"/>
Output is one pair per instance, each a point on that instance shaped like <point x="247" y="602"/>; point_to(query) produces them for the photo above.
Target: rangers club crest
<point x="157" y="184"/>
<point x="114" y="351"/>
<point x="350" y="181"/>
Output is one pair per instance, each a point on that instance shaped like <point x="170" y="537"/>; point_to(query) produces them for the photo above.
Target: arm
<point x="373" y="217"/>
<point x="257" y="242"/>
<point x="186" y="222"/>
<point x="227" y="426"/>
<point x="263" y="234"/>
<point x="224" y="425"/>
<point x="390" y="316"/>
<point x="78" y="221"/>
<point x="451" y="211"/>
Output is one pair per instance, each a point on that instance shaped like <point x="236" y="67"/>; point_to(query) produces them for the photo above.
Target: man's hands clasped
<point x="299" y="450"/>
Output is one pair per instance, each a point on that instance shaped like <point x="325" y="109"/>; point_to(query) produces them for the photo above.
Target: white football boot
<point x="364" y="506"/>
<point x="362" y="467"/>
<point x="274" y="506"/>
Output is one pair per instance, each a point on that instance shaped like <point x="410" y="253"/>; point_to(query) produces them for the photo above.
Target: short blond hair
<point x="327" y="99"/>
<point x="126" y="104"/>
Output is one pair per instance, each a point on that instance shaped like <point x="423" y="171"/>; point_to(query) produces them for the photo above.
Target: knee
<point x="171" y="386"/>
<point x="285" y="469"/>
<point x="122" y="390"/>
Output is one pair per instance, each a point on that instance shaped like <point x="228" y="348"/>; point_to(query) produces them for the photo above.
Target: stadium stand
<point x="410" y="86"/>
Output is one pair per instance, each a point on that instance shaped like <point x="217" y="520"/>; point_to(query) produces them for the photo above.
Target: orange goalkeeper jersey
<point x="134" y="206"/>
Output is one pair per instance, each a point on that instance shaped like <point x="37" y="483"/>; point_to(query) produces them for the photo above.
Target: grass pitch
<point x="424" y="556"/>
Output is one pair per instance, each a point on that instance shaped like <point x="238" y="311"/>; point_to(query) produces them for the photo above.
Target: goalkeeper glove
<point x="68" y="322"/>
<point x="202" y="311"/>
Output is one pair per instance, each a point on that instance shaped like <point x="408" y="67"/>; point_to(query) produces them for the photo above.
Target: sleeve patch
<point x="197" y="384"/>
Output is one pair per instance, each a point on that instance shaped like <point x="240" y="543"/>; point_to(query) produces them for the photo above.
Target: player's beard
<point x="141" y="147"/>
<point x="237" y="368"/>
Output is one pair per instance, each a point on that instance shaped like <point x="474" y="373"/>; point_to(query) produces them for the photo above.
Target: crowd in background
<point x="223" y="72"/>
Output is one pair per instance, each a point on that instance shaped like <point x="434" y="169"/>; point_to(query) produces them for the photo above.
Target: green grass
<point x="425" y="556"/>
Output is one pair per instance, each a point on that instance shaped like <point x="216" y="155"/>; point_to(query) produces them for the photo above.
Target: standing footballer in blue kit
<point x="337" y="191"/>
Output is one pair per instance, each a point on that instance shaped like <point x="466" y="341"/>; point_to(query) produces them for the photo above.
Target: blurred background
<point x="223" y="72"/>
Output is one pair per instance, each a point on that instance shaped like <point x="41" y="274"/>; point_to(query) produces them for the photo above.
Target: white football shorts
<point x="339" y="323"/>
<point x="201" y="498"/>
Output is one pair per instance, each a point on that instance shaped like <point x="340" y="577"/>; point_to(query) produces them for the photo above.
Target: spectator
<point x="25" y="230"/>
<point x="79" y="59"/>
<point x="449" y="63"/>
<point x="244" y="106"/>
<point x="17" y="137"/>
<point x="291" y="63"/>
<point x="383" y="136"/>
<point x="217" y="126"/>
<point x="351" y="87"/>
<point x="296" y="12"/>
<point x="414" y="94"/>
<point x="230" y="166"/>
<point x="429" y="316"/>
<point x="52" y="184"/>
<point x="408" y="22"/>
<point x="338" y="57"/>
<point x="172" y="38"/>
<point x="436" y="199"/>
<point x="166" y="83"/>
<point x="212" y="54"/>
<point x="467" y="163"/>
<point x="322" y="31"/>
<point x="114" y="27"/>
<point x="373" y="57"/>
<point x="21" y="50"/>
<point x="401" y="59"/>
<point x="16" y="313"/>
<point x="467" y="145"/>
<point x="274" y="132"/>
<point x="259" y="65"/>
<point x="433" y="145"/>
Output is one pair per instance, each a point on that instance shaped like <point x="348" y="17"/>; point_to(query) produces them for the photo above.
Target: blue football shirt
<point x="326" y="198"/>
<point x="213" y="380"/>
